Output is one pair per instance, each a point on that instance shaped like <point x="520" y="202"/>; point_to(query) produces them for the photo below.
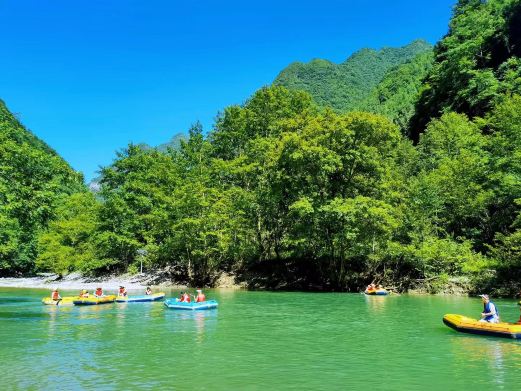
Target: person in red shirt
<point x="186" y="297"/>
<point x="122" y="291"/>
<point x="200" y="296"/>
<point x="55" y="295"/>
<point x="181" y="297"/>
<point x="99" y="292"/>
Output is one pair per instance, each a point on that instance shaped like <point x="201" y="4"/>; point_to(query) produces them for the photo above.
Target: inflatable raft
<point x="468" y="325"/>
<point x="181" y="305"/>
<point x="376" y="292"/>
<point x="67" y="300"/>
<point x="140" y="299"/>
<point x="93" y="300"/>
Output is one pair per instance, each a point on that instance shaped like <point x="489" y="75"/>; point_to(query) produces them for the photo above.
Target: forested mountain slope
<point x="344" y="86"/>
<point x="33" y="179"/>
<point x="476" y="63"/>
<point x="396" y="95"/>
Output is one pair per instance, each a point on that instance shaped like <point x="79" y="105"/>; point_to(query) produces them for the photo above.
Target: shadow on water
<point x="12" y="300"/>
<point x="17" y="315"/>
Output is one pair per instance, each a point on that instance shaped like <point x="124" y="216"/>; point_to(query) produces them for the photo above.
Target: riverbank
<point x="76" y="281"/>
<point x="130" y="282"/>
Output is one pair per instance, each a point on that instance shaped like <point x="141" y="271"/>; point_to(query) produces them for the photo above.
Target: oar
<point x="58" y="301"/>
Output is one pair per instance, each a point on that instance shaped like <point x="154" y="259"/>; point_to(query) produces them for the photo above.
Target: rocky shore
<point x="130" y="282"/>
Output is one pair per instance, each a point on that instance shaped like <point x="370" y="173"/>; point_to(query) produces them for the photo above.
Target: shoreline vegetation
<point x="296" y="189"/>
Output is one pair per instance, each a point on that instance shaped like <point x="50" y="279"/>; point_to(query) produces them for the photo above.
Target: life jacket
<point x="122" y="292"/>
<point x="55" y="295"/>
<point x="486" y="309"/>
<point x="200" y="298"/>
<point x="99" y="292"/>
<point x="186" y="298"/>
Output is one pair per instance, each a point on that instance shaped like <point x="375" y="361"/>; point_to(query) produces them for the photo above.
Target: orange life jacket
<point x="200" y="298"/>
<point x="186" y="298"/>
<point x="122" y="292"/>
<point x="99" y="292"/>
<point x="55" y="295"/>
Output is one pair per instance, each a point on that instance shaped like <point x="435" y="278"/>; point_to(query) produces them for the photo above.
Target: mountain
<point x="174" y="143"/>
<point x="396" y="95"/>
<point x="33" y="178"/>
<point x="344" y="86"/>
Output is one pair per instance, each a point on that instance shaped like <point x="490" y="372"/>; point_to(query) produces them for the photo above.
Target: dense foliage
<point x="291" y="196"/>
<point x="33" y="180"/>
<point x="287" y="193"/>
<point x="396" y="95"/>
<point x="476" y="63"/>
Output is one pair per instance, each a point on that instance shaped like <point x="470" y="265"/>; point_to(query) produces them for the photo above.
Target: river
<point x="253" y="341"/>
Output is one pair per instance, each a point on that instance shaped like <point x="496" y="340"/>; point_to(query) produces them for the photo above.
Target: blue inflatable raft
<point x="140" y="299"/>
<point x="376" y="292"/>
<point x="181" y="305"/>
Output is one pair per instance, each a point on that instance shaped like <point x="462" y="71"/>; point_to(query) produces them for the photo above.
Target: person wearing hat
<point x="55" y="295"/>
<point x="200" y="296"/>
<point x="84" y="293"/>
<point x="122" y="291"/>
<point x="490" y="313"/>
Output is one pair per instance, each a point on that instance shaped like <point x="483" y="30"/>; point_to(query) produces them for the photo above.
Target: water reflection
<point x="51" y="324"/>
<point x="189" y="321"/>
<point x="377" y="303"/>
<point x="499" y="355"/>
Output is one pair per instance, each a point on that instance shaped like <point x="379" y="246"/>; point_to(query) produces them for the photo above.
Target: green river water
<point x="253" y="341"/>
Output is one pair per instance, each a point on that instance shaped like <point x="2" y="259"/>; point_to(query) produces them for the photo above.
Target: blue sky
<point x="89" y="76"/>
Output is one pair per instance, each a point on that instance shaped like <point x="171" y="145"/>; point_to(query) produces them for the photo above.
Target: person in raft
<point x="99" y="292"/>
<point x="490" y="313"/>
<point x="371" y="287"/>
<point x="148" y="291"/>
<point x="84" y="293"/>
<point x="122" y="291"/>
<point x="55" y="295"/>
<point x="186" y="297"/>
<point x="200" y="296"/>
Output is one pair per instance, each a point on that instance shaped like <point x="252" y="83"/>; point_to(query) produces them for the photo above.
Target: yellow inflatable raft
<point x="469" y="325"/>
<point x="67" y="300"/>
<point x="93" y="300"/>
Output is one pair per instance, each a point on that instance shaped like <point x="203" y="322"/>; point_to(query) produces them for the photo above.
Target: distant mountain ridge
<point x="345" y="86"/>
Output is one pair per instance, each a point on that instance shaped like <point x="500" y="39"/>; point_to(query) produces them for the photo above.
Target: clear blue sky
<point x="89" y="76"/>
